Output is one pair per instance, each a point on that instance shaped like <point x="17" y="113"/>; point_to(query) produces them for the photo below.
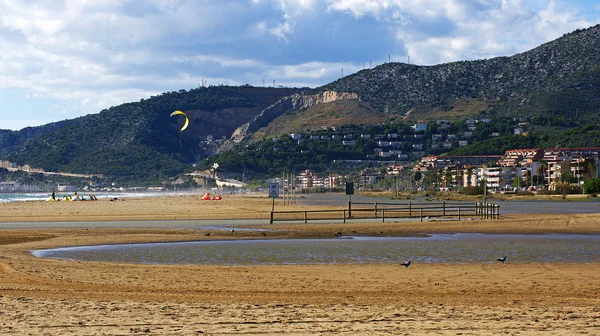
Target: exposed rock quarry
<point x="291" y="103"/>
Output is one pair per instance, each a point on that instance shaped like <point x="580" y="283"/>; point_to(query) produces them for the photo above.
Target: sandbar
<point x="48" y="297"/>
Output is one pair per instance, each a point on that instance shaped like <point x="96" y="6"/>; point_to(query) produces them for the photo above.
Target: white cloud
<point x="360" y="8"/>
<point x="93" y="54"/>
<point x="282" y="30"/>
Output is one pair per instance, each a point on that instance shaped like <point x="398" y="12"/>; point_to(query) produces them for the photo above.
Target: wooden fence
<point x="386" y="210"/>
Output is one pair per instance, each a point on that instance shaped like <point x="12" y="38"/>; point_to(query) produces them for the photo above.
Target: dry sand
<point x="59" y="297"/>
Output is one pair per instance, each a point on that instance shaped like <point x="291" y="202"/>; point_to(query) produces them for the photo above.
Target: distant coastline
<point x="7" y="197"/>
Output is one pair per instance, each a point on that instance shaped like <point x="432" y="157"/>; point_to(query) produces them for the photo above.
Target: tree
<point x="541" y="170"/>
<point x="592" y="186"/>
<point x="568" y="177"/>
<point x="447" y="179"/>
<point x="416" y="177"/>
<point x="518" y="182"/>
<point x="563" y="188"/>
<point x="469" y="174"/>
<point x="590" y="167"/>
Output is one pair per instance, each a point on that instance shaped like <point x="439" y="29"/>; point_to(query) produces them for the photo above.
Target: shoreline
<point x="41" y="296"/>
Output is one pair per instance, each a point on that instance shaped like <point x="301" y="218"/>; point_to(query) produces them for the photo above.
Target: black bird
<point x="338" y="234"/>
<point x="207" y="234"/>
<point x="264" y="234"/>
<point x="406" y="264"/>
<point x="502" y="260"/>
<point x="232" y="231"/>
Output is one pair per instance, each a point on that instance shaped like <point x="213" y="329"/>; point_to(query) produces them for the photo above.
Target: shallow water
<point x="446" y="248"/>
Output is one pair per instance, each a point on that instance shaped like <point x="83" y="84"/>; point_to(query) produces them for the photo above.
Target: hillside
<point x="11" y="140"/>
<point x="327" y="115"/>
<point x="530" y="83"/>
<point x="139" y="141"/>
<point x="549" y="90"/>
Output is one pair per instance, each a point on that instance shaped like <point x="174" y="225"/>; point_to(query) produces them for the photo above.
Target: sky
<point x="62" y="59"/>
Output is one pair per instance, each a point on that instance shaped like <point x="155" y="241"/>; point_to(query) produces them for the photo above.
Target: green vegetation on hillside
<point x="137" y="142"/>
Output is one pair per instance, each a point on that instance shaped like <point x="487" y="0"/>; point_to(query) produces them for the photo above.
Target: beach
<point x="41" y="296"/>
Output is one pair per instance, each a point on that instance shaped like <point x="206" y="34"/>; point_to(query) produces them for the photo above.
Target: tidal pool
<point x="442" y="248"/>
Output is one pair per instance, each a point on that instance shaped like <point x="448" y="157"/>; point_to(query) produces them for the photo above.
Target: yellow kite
<point x="186" y="123"/>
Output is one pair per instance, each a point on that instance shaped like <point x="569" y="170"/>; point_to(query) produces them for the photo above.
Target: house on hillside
<point x="419" y="127"/>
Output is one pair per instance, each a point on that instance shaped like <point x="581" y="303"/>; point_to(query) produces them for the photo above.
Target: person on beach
<point x="76" y="196"/>
<point x="53" y="195"/>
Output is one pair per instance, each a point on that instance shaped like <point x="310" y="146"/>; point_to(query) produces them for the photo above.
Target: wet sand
<point x="60" y="297"/>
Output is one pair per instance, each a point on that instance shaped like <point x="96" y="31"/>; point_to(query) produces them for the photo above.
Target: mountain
<point x="552" y="87"/>
<point x="11" y="140"/>
<point x="559" y="78"/>
<point x="139" y="141"/>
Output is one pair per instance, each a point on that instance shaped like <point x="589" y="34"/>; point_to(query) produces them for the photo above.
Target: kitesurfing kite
<point x="186" y="123"/>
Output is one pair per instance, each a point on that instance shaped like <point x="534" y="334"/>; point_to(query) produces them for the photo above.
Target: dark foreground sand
<point x="59" y="297"/>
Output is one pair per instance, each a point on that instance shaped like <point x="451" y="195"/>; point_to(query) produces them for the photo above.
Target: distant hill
<point x="11" y="140"/>
<point x="139" y="141"/>
<point x="559" y="78"/>
<point x="552" y="88"/>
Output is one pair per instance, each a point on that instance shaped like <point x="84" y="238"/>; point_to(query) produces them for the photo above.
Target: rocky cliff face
<point x="290" y="103"/>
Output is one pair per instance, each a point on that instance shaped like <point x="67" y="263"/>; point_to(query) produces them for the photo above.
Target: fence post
<point x="305" y="217"/>
<point x="421" y="214"/>
<point x="497" y="211"/>
<point x="476" y="208"/>
<point x="444" y="208"/>
<point x="459" y="212"/>
<point x="344" y="216"/>
<point x="349" y="208"/>
<point x="382" y="215"/>
<point x="375" y="209"/>
<point x="410" y="209"/>
<point x="271" y="218"/>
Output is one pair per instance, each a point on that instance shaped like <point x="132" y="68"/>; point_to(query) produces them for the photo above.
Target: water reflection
<point x="456" y="248"/>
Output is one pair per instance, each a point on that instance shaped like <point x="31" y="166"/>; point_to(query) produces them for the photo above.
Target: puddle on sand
<point x="445" y="248"/>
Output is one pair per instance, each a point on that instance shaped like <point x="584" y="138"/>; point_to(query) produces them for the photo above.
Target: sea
<point x="38" y="196"/>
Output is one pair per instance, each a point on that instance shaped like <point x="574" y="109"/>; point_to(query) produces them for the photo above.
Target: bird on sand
<point x="502" y="260"/>
<point x="406" y="264"/>
<point x="207" y="234"/>
<point x="264" y="234"/>
<point x="338" y="234"/>
<point x="232" y="231"/>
